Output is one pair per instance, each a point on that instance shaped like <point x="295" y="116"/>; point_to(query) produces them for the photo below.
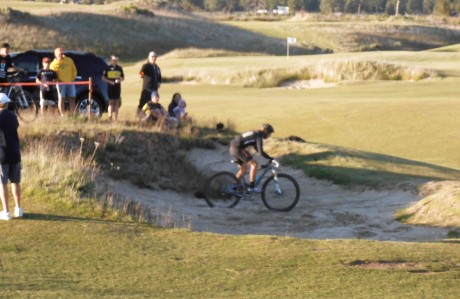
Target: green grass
<point x="71" y="244"/>
<point x="80" y="257"/>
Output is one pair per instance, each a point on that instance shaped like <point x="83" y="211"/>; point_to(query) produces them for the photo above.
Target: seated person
<point x="174" y="101"/>
<point x="153" y="110"/>
<point x="179" y="111"/>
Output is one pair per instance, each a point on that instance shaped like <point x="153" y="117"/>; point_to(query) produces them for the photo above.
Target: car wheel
<point x="83" y="105"/>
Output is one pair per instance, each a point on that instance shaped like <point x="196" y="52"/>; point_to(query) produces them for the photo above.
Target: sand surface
<point x="325" y="211"/>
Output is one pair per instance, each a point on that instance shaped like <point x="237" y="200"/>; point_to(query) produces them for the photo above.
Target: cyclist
<point x="238" y="151"/>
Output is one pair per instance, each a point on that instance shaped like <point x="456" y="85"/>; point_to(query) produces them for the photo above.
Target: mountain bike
<point x="280" y="191"/>
<point x="23" y="102"/>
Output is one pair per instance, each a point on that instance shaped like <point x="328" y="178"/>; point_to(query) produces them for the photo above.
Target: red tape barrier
<point x="49" y="83"/>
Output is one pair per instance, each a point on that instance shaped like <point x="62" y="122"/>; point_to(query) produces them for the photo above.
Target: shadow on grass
<point x="62" y="218"/>
<point x="353" y="168"/>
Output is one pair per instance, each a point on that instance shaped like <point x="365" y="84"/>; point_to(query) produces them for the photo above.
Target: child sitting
<point x="153" y="110"/>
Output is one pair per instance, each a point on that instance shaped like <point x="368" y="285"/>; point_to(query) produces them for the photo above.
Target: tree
<point x="330" y="6"/>
<point x="295" y="5"/>
<point x="353" y="6"/>
<point x="442" y="7"/>
<point x="428" y="6"/>
<point x="326" y="6"/>
<point x="415" y="6"/>
<point x="253" y="5"/>
<point x="395" y="7"/>
<point x="215" y="5"/>
<point x="456" y="7"/>
<point x="311" y="5"/>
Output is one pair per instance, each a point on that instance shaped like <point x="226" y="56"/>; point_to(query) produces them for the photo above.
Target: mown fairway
<point x="413" y="120"/>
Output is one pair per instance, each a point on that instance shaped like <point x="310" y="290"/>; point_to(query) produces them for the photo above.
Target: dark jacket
<point x="9" y="126"/>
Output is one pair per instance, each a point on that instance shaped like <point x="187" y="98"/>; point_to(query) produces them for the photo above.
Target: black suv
<point x="88" y="66"/>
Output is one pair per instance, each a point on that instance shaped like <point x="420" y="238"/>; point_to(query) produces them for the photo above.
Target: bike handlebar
<point x="275" y="163"/>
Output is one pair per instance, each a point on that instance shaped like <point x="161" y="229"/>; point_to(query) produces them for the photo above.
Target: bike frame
<point x="260" y="176"/>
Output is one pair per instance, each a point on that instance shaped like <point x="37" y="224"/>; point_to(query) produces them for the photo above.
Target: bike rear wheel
<point x="281" y="194"/>
<point x="25" y="106"/>
<point x="223" y="190"/>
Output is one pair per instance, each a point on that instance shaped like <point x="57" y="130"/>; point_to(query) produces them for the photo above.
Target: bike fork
<point x="277" y="184"/>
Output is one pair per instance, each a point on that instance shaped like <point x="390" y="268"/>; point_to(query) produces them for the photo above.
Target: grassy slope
<point x="76" y="26"/>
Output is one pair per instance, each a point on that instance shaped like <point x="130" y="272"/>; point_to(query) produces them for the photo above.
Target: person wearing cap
<point x="113" y="75"/>
<point x="10" y="156"/>
<point x="153" y="110"/>
<point x="66" y="72"/>
<point x="45" y="75"/>
<point x="151" y="80"/>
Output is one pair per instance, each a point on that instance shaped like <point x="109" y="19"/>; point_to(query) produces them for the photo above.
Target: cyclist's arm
<point x="260" y="148"/>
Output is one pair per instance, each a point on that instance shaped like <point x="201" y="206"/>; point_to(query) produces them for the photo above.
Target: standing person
<point x="151" y="80"/>
<point x="45" y="75"/>
<point x="238" y="151"/>
<point x="113" y="75"/>
<point x="6" y="63"/>
<point x="66" y="72"/>
<point x="11" y="159"/>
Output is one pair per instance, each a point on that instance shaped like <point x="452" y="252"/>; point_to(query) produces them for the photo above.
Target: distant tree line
<point x="390" y="7"/>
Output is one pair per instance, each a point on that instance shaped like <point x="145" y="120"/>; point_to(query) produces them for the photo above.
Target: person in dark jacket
<point x="11" y="159"/>
<point x="151" y="80"/>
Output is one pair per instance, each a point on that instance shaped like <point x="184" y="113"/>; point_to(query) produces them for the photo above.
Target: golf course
<point x="111" y="208"/>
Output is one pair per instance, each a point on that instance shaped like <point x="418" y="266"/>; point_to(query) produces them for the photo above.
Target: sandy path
<point x="325" y="211"/>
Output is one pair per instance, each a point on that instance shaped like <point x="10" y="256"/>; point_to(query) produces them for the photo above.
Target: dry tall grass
<point x="76" y="161"/>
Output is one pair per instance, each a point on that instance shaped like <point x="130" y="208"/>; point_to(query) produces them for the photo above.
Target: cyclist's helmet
<point x="267" y="128"/>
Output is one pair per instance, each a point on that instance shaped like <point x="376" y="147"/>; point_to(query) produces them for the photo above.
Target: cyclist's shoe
<point x="254" y="190"/>
<point x="18" y="213"/>
<point x="5" y="215"/>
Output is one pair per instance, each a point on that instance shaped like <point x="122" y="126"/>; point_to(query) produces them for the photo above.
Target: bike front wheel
<point x="223" y="190"/>
<point x="25" y="106"/>
<point x="280" y="194"/>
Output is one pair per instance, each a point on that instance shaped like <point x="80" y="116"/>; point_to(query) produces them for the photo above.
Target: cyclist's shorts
<point x="66" y="91"/>
<point x="240" y="155"/>
<point x="11" y="172"/>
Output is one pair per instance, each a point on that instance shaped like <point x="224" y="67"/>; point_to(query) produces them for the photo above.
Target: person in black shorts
<point x="238" y="151"/>
<point x="113" y="75"/>
<point x="151" y="80"/>
<point x="10" y="158"/>
<point x="47" y="91"/>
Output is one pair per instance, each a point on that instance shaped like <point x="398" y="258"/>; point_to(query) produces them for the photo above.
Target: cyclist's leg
<point x="252" y="172"/>
<point x="240" y="158"/>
